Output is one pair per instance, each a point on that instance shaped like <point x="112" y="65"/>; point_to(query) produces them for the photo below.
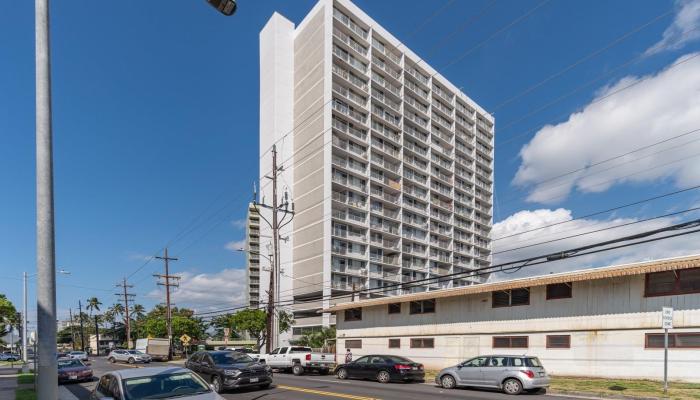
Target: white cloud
<point x="134" y="256"/>
<point x="528" y="220"/>
<point x="653" y="108"/>
<point x="236" y="245"/>
<point x="213" y="291"/>
<point x="239" y="223"/>
<point x="683" y="29"/>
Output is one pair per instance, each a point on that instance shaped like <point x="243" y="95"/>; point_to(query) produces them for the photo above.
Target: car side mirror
<point x="459" y="366"/>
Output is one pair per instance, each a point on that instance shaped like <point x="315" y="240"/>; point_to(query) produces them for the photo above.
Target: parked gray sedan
<point x="509" y="373"/>
<point x="129" y="356"/>
<point x="153" y="383"/>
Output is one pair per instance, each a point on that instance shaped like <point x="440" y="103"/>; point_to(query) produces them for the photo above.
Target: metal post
<point x="72" y="332"/>
<point x="665" y="361"/>
<point x="272" y="330"/>
<point x="45" y="246"/>
<point x="24" y="320"/>
<point x="97" y="337"/>
<point x="82" y="330"/>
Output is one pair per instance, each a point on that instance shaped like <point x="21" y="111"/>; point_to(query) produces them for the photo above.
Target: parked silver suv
<point x="509" y="373"/>
<point x="130" y="356"/>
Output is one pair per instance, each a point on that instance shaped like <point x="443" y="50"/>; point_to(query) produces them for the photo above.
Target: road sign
<point x="667" y="318"/>
<point x="185" y="339"/>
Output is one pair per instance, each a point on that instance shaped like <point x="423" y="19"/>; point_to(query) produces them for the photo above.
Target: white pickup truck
<point x="299" y="359"/>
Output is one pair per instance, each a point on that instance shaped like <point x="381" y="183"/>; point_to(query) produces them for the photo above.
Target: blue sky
<point x="156" y="121"/>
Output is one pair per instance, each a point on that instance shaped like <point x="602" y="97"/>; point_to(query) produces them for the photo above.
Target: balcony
<point x="350" y="165"/>
<point x="419" y="76"/>
<point x="441" y="189"/>
<point x="444" y="150"/>
<point x="383" y="130"/>
<point x="441" y="216"/>
<point x="345" y="20"/>
<point x="441" y="107"/>
<point x="384" y="67"/>
<point x="349" y="112"/>
<point x="393" y="167"/>
<point x="342" y="198"/>
<point x="349" y="59"/>
<point x="343" y="126"/>
<point x="395" y="90"/>
<point x="394" y="260"/>
<point x="385" y="180"/>
<point x="381" y="48"/>
<point x="463" y="186"/>
<point x="346" y="234"/>
<point x="463" y="212"/>
<point x="385" y="212"/>
<point x="348" y="286"/>
<point x="391" y="198"/>
<point x="392" y="229"/>
<point x="443" y="94"/>
<point x="385" y="148"/>
<point x="348" y="252"/>
<point x="414" y="236"/>
<point x="350" y="95"/>
<point x="443" y="177"/>
<point x="416" y="119"/>
<point x="395" y="277"/>
<point x="440" y="230"/>
<point x="415" y="192"/>
<point x="345" y="145"/>
<point x="414" y="264"/>
<point x="350" y="42"/>
<point x="442" y="136"/>
<point x="423" y="180"/>
<point x="350" y="77"/>
<point x="417" y="105"/>
<point x="342" y="269"/>
<point x="417" y="90"/>
<point x="350" y="182"/>
<point x="378" y="95"/>
<point x="423" y="224"/>
<point x="411" y="131"/>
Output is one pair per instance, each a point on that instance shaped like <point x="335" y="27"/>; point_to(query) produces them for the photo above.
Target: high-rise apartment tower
<point x="390" y="165"/>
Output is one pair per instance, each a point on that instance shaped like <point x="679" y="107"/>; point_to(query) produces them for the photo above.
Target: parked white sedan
<point x="78" y="355"/>
<point x="153" y="383"/>
<point x="128" y="356"/>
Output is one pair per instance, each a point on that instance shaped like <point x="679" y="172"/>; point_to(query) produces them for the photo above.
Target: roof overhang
<point x="590" y="274"/>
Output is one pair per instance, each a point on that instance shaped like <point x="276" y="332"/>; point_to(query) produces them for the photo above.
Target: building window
<point x="306" y="330"/>
<point x="510" y="342"/>
<point x="353" y="344"/>
<point x="423" y="343"/>
<point x="559" y="291"/>
<point x="395" y="308"/>
<point x="667" y="283"/>
<point x="684" y="340"/>
<point x="423" y="306"/>
<point x="394" y="343"/>
<point x="558" y="341"/>
<point x="353" y="314"/>
<point x="510" y="298"/>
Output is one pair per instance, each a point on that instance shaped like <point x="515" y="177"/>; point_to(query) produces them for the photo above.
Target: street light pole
<point x="24" y="318"/>
<point x="45" y="246"/>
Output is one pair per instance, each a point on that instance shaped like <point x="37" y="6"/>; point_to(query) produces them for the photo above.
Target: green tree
<point x="93" y="303"/>
<point x="8" y="315"/>
<point x="255" y="323"/>
<point x="224" y="321"/>
<point x="317" y="339"/>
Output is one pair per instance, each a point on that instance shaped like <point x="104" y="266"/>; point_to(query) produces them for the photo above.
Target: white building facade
<point x="602" y="322"/>
<point x="388" y="163"/>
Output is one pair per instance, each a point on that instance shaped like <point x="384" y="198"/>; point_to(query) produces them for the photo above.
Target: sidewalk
<point x="8" y="383"/>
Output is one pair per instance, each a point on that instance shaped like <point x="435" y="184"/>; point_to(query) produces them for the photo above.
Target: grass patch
<point x="25" y="378"/>
<point x="25" y="394"/>
<point x="633" y="388"/>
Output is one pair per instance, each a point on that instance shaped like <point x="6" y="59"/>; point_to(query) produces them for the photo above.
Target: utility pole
<point x="97" y="337"/>
<point x="24" y="319"/>
<point x="72" y="334"/>
<point x="47" y="381"/>
<point x="272" y="331"/>
<point x="82" y="331"/>
<point x="167" y="277"/>
<point x="127" y="320"/>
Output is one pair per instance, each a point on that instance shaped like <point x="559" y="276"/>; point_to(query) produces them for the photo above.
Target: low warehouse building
<point x="603" y="322"/>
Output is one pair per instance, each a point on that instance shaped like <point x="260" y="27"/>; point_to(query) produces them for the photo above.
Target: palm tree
<point x="93" y="304"/>
<point x="138" y="312"/>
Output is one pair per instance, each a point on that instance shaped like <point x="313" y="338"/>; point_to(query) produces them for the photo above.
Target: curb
<point x="593" y="395"/>
<point x="65" y="394"/>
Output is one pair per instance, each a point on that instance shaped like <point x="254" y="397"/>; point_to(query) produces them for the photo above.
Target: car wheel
<point x="383" y="377"/>
<point x="342" y="373"/>
<point x="448" y="382"/>
<point x="216" y="384"/>
<point x="297" y="369"/>
<point x="131" y="360"/>
<point x="512" y="386"/>
<point x="112" y="360"/>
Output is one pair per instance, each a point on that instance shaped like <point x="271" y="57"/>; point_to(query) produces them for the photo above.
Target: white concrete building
<point x="253" y="252"/>
<point x="388" y="163"/>
<point x="598" y="322"/>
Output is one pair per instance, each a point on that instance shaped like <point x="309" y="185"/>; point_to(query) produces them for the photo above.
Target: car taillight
<point x="529" y="373"/>
<point x="308" y="357"/>
<point x="402" y="367"/>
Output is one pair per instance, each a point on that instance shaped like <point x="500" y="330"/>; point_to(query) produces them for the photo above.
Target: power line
<point x="530" y="261"/>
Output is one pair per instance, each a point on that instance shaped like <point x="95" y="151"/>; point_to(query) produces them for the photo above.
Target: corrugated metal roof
<point x="562" y="277"/>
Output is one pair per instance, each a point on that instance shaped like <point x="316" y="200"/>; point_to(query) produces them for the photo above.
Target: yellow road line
<point x="322" y="393"/>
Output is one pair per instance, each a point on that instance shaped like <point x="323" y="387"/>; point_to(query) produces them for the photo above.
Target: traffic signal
<point x="226" y="7"/>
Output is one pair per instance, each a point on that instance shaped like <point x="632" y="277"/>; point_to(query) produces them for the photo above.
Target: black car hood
<point x="250" y="366"/>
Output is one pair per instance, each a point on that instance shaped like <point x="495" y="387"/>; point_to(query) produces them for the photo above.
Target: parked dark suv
<point x="229" y="370"/>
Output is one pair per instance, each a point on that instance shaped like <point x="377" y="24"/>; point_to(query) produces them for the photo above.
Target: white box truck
<point x="157" y="348"/>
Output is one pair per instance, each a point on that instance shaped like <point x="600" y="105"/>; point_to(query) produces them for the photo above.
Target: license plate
<point x="73" y="377"/>
<point x="541" y="373"/>
<point x="414" y="368"/>
<point x="252" y="380"/>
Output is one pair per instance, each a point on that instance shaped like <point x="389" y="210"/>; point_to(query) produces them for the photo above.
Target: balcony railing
<point x="385" y="148"/>
<point x="350" y="95"/>
<point x="417" y="104"/>
<point x="385" y="164"/>
<point x="350" y="23"/>
<point x="420" y="77"/>
<point x="389" y="133"/>
<point x="415" y="148"/>
<point x="349" y="111"/>
<point x="350" y="77"/>
<point x="382" y="66"/>
<point x="386" y="85"/>
<point x="417" y="90"/>
<point x="350" y="41"/>
<point x="384" y="50"/>
<point x="348" y="58"/>
<point x="392" y="198"/>
<point x="381" y="97"/>
<point x="344" y="127"/>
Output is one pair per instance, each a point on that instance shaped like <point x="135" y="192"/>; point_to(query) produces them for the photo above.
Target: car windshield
<point x="300" y="350"/>
<point x="231" y="358"/>
<point x="69" y="364"/>
<point x="398" y="359"/>
<point x="164" y="386"/>
<point x="135" y="352"/>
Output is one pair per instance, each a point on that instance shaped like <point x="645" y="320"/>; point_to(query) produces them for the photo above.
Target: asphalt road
<point x="315" y="387"/>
